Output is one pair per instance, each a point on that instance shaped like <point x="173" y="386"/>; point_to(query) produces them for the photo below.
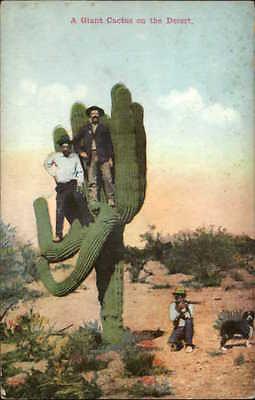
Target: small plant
<point x="136" y="259"/>
<point x="30" y="332"/>
<point x="80" y="343"/>
<point x="215" y="353"/>
<point x="17" y="268"/>
<point x="239" y="360"/>
<point x="162" y="286"/>
<point x="137" y="362"/>
<point x="150" y="387"/>
<point x="203" y="281"/>
<point x="55" y="386"/>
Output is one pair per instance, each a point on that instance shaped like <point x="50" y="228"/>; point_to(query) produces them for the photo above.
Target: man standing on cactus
<point x="66" y="169"/>
<point x="96" y="151"/>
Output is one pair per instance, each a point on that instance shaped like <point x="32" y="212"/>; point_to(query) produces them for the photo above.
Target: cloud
<point x="36" y="109"/>
<point x="217" y="113"/>
<point x="58" y="93"/>
<point x="190" y="104"/>
<point x="49" y="95"/>
<point x="190" y="100"/>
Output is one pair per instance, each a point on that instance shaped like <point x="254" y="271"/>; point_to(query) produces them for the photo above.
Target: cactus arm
<point x="95" y="237"/>
<point x="138" y="113"/>
<point x="129" y="150"/>
<point x="58" y="132"/>
<point x="79" y="118"/>
<point x="55" y="252"/>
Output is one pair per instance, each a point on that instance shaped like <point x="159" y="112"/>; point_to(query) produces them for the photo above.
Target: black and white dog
<point x="243" y="328"/>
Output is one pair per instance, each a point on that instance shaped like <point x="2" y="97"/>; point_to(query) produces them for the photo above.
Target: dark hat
<point x="92" y="108"/>
<point x="64" y="140"/>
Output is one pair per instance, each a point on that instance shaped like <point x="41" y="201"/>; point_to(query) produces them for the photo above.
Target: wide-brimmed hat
<point x="180" y="291"/>
<point x="64" y="140"/>
<point x="92" y="108"/>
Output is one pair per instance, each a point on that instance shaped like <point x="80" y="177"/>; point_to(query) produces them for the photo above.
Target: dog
<point x="242" y="328"/>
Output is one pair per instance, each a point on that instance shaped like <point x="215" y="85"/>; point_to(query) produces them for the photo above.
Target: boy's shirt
<point x="173" y="313"/>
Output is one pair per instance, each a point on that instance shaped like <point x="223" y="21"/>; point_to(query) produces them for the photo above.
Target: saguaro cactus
<point x="100" y="245"/>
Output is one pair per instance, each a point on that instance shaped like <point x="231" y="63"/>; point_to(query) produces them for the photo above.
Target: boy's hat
<point x="180" y="291"/>
<point x="64" y="140"/>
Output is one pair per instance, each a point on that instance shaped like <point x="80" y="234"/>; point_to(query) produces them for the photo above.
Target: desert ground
<point x="207" y="373"/>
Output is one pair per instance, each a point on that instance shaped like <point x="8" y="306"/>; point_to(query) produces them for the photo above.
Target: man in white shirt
<point x="65" y="167"/>
<point x="181" y="313"/>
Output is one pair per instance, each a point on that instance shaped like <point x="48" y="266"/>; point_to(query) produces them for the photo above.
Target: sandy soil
<point x="199" y="375"/>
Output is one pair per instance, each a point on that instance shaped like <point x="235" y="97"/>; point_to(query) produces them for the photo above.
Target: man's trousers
<point x="183" y="333"/>
<point x="93" y="185"/>
<point x="70" y="204"/>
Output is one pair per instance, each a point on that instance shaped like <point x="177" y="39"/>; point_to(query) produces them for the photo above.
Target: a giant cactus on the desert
<point x="100" y="244"/>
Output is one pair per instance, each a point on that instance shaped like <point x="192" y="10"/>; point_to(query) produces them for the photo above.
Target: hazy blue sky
<point x="194" y="80"/>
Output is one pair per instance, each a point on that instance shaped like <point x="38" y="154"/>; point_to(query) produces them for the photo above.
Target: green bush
<point x="17" y="268"/>
<point x="140" y="390"/>
<point x="136" y="259"/>
<point x="203" y="253"/>
<point x="80" y="343"/>
<point x="244" y="245"/>
<point x="51" y="385"/>
<point x="138" y="362"/>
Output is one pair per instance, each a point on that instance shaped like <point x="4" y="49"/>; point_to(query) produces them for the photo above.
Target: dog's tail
<point x="227" y="315"/>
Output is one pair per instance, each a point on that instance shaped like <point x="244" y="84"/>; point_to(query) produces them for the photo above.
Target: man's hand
<point x="182" y="307"/>
<point x="79" y="187"/>
<point x="83" y="154"/>
<point x="110" y="162"/>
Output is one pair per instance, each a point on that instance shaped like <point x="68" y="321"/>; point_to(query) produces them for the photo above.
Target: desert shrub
<point x="161" y="286"/>
<point x="17" y="268"/>
<point x="244" y="245"/>
<point x="80" y="343"/>
<point x="154" y="249"/>
<point x="61" y="379"/>
<point x="138" y="362"/>
<point x="153" y="389"/>
<point x="52" y="385"/>
<point x="203" y="253"/>
<point x="30" y="332"/>
<point x="136" y="259"/>
<point x="209" y="279"/>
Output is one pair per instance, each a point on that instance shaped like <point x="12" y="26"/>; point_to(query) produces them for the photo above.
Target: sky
<point x="194" y="80"/>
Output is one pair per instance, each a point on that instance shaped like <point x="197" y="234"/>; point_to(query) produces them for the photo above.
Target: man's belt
<point x="70" y="185"/>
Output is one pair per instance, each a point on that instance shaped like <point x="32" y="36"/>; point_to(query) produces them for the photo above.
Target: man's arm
<point x="76" y="142"/>
<point x="78" y="173"/>
<point x="109" y="144"/>
<point x="50" y="164"/>
<point x="173" y="313"/>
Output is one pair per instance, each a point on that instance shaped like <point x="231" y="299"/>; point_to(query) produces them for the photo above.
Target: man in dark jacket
<point x="94" y="145"/>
